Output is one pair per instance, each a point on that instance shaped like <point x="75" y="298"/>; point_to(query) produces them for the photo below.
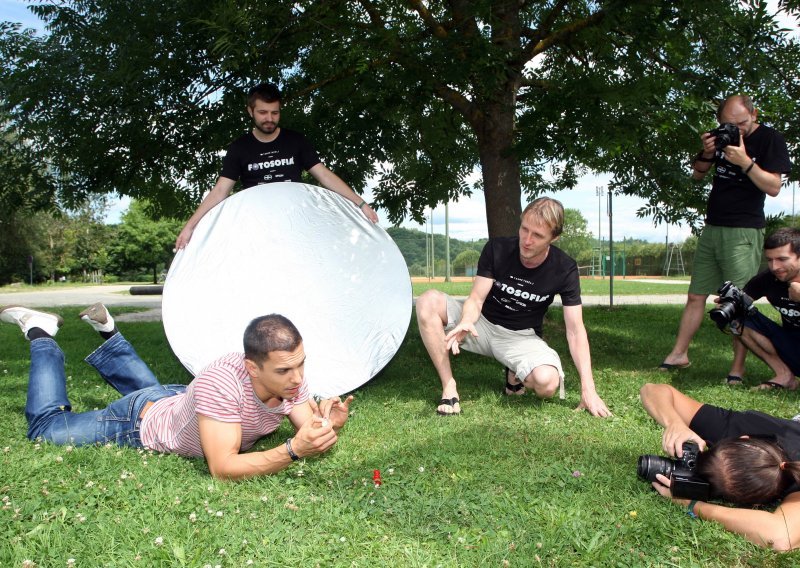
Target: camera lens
<point x="724" y="314"/>
<point x="649" y="466"/>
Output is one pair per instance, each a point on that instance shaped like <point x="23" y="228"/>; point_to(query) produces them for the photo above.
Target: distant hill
<point x="411" y="243"/>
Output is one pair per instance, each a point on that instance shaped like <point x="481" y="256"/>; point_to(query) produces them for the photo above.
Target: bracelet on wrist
<point x="690" y="508"/>
<point x="360" y="205"/>
<point x="750" y="167"/>
<point x="292" y="455"/>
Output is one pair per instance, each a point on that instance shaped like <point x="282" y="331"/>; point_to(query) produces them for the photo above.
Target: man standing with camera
<point x="778" y="346"/>
<point x="747" y="169"/>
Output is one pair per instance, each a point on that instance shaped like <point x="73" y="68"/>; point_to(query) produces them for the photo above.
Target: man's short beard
<point x="260" y="129"/>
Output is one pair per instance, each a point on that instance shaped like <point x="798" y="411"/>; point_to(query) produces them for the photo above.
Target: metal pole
<point x="433" y="258"/>
<point x="599" y="192"/>
<point x="427" y="252"/>
<point x="611" y="249"/>
<point x="447" y="241"/>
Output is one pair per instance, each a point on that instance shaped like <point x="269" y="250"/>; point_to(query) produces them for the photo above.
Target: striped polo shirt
<point x="222" y="391"/>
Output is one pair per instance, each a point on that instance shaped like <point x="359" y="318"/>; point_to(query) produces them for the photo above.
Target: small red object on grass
<point x="376" y="476"/>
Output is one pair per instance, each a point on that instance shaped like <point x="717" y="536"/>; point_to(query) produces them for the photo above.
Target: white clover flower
<point x="69" y="448"/>
<point x="70" y="562"/>
<point x="192" y="517"/>
<point x="219" y="513"/>
<point x="159" y="541"/>
<point x="59" y="459"/>
<point x="6" y="449"/>
<point x="342" y="539"/>
<point x="28" y="564"/>
<point x="391" y="471"/>
<point x="249" y="562"/>
<point x="421" y="469"/>
<point x="221" y="552"/>
<point x="264" y="498"/>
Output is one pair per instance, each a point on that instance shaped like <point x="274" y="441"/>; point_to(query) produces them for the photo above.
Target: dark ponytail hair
<point x="748" y="471"/>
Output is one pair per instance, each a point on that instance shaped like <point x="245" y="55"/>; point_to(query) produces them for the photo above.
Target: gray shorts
<point x="521" y="351"/>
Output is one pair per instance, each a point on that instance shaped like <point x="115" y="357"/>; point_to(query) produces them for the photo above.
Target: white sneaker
<point x="98" y="317"/>
<point x="27" y="319"/>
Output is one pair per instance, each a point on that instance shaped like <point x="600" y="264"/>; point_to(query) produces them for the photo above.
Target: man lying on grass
<point x="752" y="460"/>
<point x="224" y="411"/>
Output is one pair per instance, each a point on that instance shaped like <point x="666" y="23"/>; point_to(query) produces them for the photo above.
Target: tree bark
<point x="500" y="169"/>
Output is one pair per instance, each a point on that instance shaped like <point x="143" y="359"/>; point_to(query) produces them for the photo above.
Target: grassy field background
<point x="512" y="482"/>
<point x="589" y="286"/>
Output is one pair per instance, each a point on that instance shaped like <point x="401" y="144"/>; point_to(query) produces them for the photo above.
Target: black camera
<point x="684" y="483"/>
<point x="726" y="135"/>
<point x="733" y="306"/>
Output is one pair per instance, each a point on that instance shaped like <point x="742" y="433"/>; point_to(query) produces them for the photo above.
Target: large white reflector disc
<point x="300" y="251"/>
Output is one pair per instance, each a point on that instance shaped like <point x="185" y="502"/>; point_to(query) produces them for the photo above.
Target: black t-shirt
<point x="777" y="292"/>
<point x="713" y="424"/>
<point x="520" y="296"/>
<point x="735" y="201"/>
<point x="255" y="162"/>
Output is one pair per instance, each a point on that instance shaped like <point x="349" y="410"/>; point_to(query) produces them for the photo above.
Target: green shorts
<point x="725" y="253"/>
<point x="521" y="351"/>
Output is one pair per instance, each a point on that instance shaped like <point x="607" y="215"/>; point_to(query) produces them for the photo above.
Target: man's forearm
<point x="578" y="343"/>
<point x="768" y="182"/>
<point x="471" y="311"/>
<point x="659" y="403"/>
<point x="759" y="527"/>
<point x="701" y="165"/>
<point x="244" y="466"/>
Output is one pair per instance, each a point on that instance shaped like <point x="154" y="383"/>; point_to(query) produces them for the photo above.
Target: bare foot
<point x="449" y="404"/>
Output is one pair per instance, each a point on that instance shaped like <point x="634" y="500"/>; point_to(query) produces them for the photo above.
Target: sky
<point x="467" y="217"/>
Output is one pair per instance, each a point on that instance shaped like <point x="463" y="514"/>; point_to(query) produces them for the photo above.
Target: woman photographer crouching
<point x="753" y="459"/>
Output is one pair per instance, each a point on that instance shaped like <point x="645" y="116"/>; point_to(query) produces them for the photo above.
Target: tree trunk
<point x="500" y="169"/>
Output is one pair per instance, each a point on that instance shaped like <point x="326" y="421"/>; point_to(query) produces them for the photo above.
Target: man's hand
<point x="457" y="335"/>
<point x="662" y="485"/>
<point x="708" y="140"/>
<point x="594" y="405"/>
<point x="674" y="437"/>
<point x="737" y="155"/>
<point x="335" y="411"/>
<point x="183" y="238"/>
<point x="314" y="437"/>
<point x="794" y="291"/>
<point x="369" y="213"/>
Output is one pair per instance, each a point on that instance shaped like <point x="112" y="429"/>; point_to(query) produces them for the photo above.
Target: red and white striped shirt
<point x="222" y="391"/>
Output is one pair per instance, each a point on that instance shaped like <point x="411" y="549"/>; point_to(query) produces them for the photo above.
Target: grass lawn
<point x="512" y="482"/>
<point x="589" y="287"/>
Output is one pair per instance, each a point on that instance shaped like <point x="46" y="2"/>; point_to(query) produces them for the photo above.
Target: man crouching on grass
<point x="224" y="411"/>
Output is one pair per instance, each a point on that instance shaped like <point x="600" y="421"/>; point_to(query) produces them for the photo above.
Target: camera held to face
<point x="732" y="307"/>
<point x="726" y="135"/>
<point x="684" y="483"/>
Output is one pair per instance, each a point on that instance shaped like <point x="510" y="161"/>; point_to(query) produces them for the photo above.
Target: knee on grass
<point x="543" y="380"/>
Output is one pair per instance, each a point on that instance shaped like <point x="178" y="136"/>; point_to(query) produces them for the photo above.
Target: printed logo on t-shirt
<point x="254" y="167"/>
<point x="517" y="294"/>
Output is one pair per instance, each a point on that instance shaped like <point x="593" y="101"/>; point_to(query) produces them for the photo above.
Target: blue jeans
<point x="785" y="341"/>
<point x="49" y="412"/>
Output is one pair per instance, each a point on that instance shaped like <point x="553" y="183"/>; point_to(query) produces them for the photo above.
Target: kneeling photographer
<point x="752" y="460"/>
<point x="777" y="345"/>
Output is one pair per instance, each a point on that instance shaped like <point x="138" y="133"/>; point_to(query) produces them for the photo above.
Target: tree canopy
<point x="141" y="98"/>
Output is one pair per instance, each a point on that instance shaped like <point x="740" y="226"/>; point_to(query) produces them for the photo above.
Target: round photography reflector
<point x="300" y="251"/>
